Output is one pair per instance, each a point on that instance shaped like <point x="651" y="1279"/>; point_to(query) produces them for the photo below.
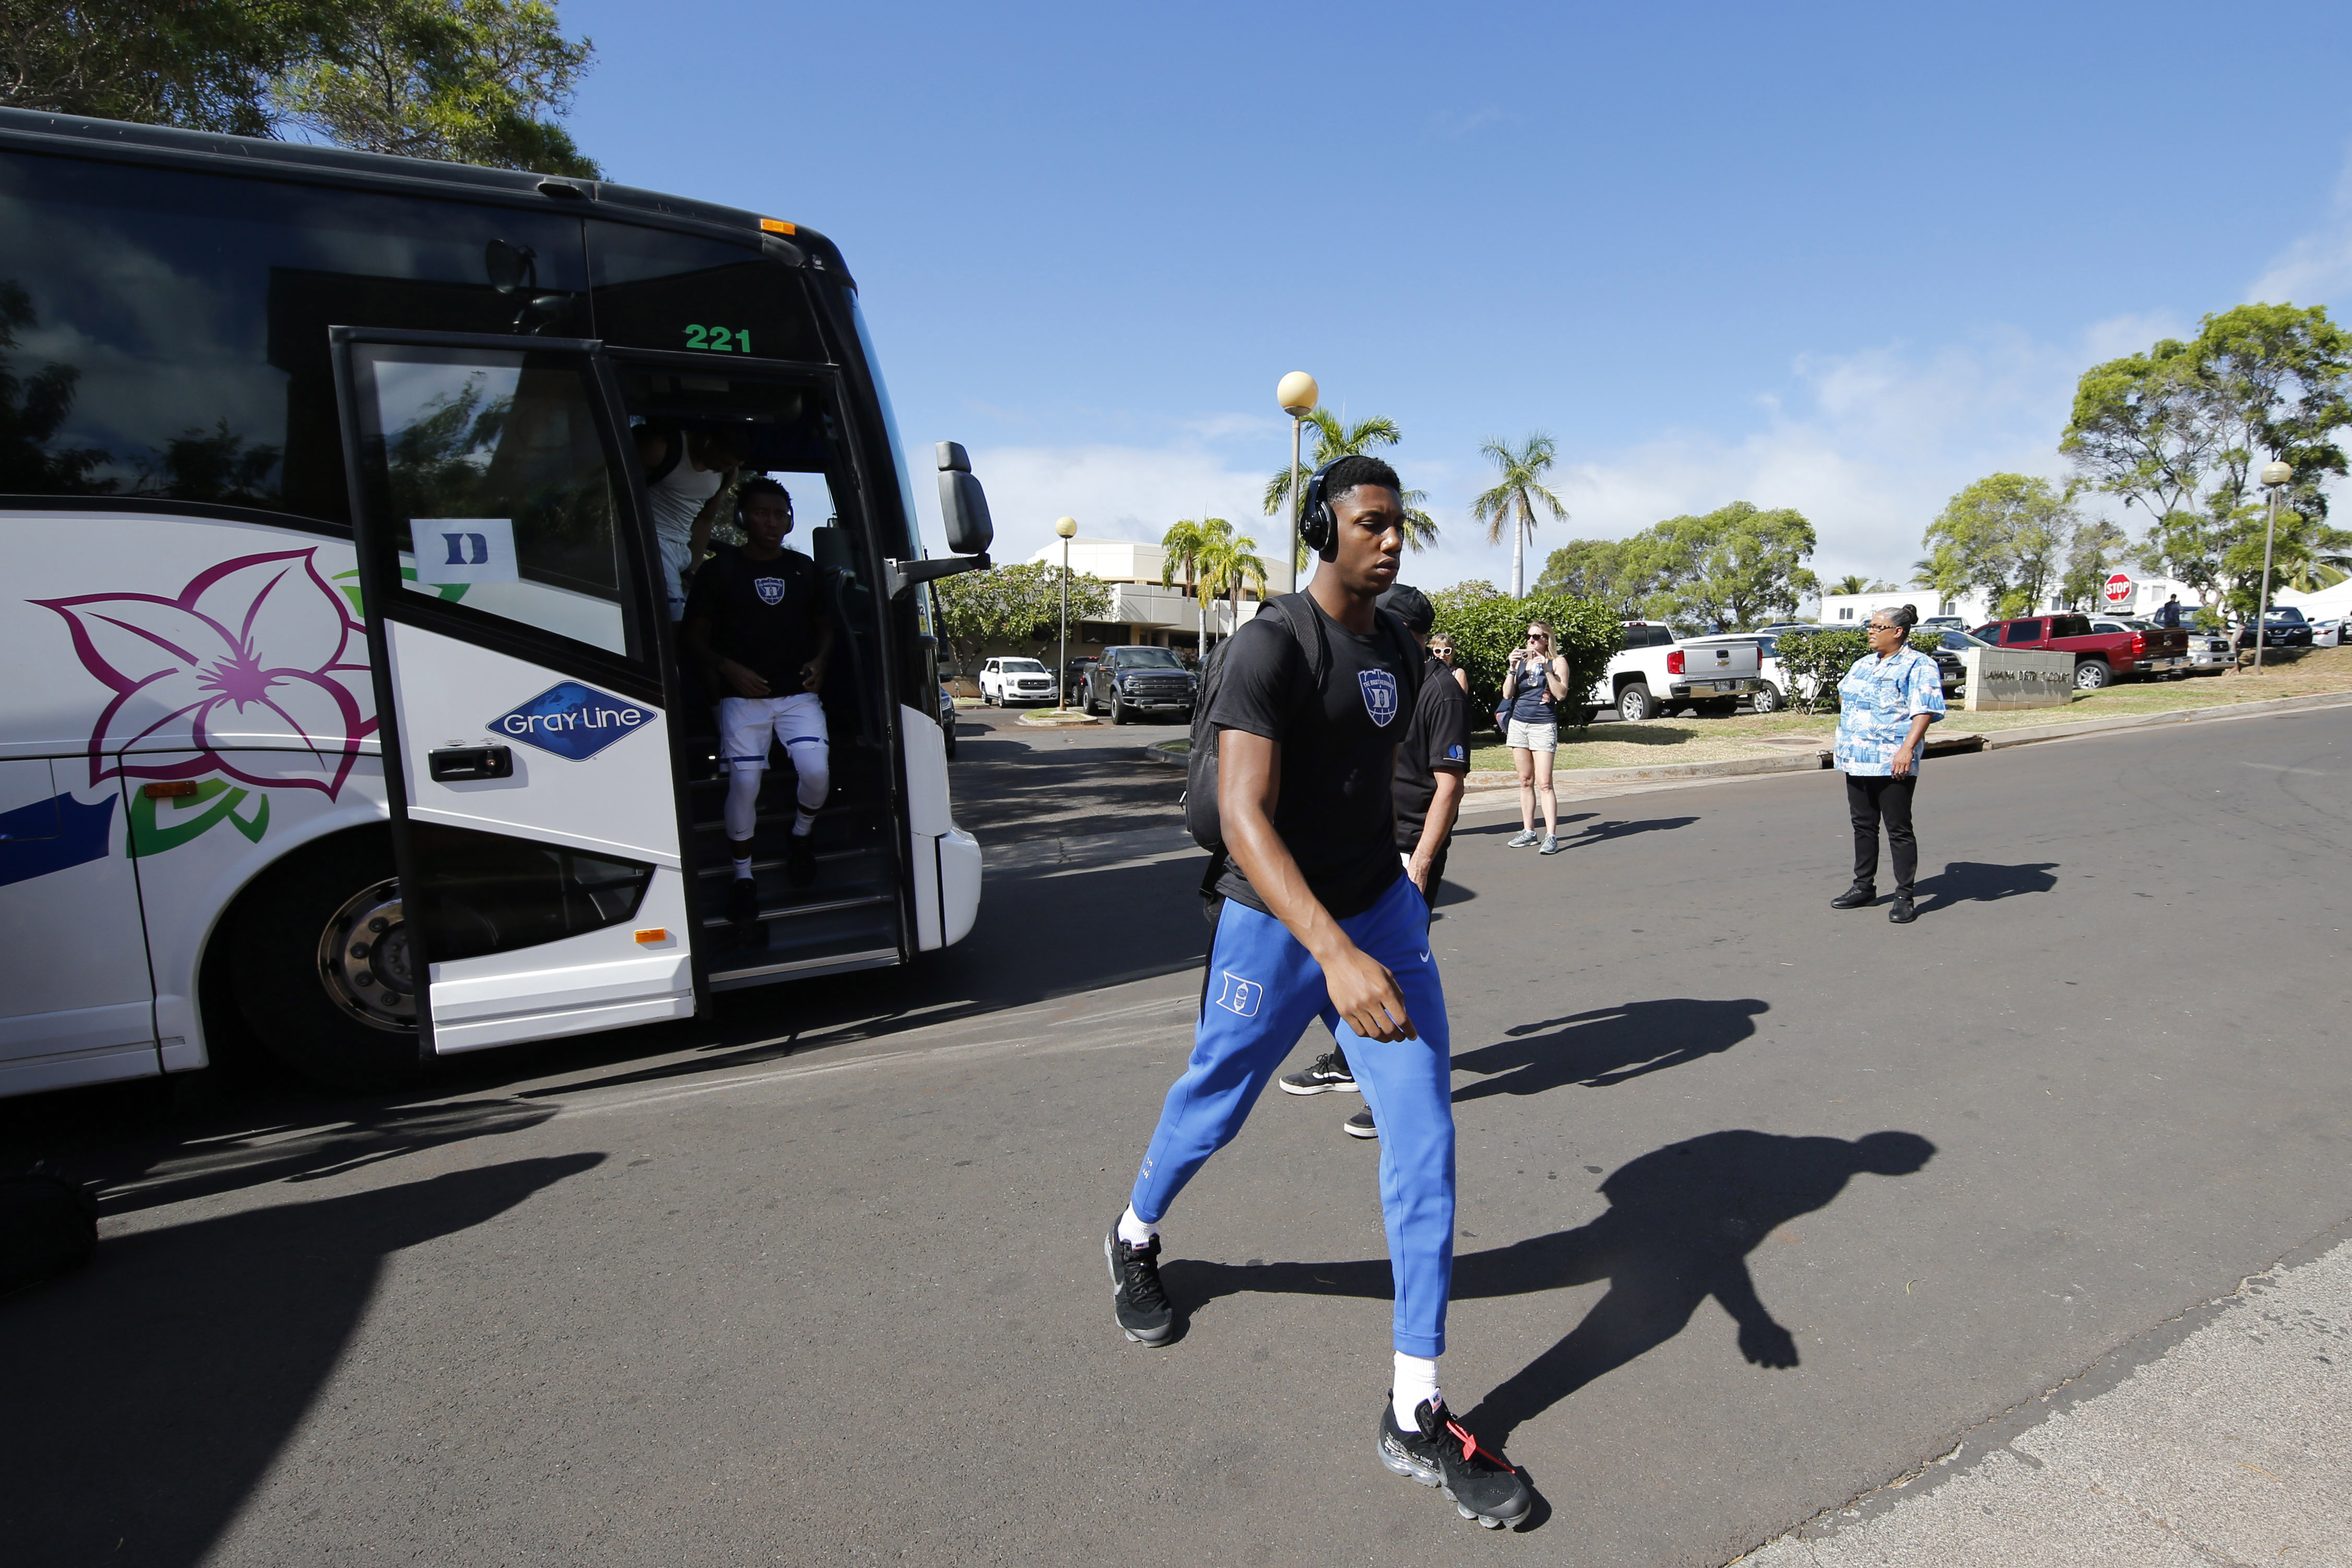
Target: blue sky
<point x="1843" y="258"/>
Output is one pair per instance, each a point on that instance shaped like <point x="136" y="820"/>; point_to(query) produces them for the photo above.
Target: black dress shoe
<point x="1855" y="897"/>
<point x="1902" y="915"/>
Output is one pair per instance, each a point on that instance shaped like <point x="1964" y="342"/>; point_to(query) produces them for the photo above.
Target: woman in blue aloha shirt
<point x="1885" y="705"/>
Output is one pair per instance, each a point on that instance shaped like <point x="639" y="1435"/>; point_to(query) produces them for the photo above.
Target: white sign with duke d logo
<point x="465" y="549"/>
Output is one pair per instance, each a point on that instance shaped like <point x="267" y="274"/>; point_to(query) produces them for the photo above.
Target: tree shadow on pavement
<point x="1680" y="1222"/>
<point x="1965" y="881"/>
<point x="1608" y="1045"/>
<point x="149" y="1393"/>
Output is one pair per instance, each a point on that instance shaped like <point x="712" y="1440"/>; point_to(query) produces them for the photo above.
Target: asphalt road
<point x="820" y="1280"/>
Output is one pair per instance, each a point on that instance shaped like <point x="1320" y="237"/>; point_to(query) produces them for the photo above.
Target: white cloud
<point x="1868" y="445"/>
<point x="2316" y="267"/>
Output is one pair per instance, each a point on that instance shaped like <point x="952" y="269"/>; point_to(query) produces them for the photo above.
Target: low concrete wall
<point x="2002" y="678"/>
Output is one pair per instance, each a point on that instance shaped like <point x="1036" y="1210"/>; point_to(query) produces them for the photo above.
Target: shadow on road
<point x="1680" y="1222"/>
<point x="148" y="1394"/>
<point x="1965" y="881"/>
<point x="1608" y="1045"/>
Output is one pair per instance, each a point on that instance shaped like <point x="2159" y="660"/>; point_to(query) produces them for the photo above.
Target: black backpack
<point x="1305" y="624"/>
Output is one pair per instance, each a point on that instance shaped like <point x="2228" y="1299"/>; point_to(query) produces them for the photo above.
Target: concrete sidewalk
<point x="2232" y="1445"/>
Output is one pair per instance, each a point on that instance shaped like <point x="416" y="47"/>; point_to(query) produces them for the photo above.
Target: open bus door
<point x="514" y="629"/>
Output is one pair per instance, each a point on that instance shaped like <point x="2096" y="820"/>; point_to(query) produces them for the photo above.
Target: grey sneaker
<point x="1521" y="839"/>
<point x="1551" y="845"/>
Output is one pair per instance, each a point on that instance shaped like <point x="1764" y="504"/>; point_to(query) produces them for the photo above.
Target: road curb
<point x="1157" y="751"/>
<point x="1049" y="719"/>
<point x="2000" y="739"/>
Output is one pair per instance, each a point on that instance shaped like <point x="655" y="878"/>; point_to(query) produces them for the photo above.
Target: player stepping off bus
<point x="755" y="620"/>
<point x="1305" y="707"/>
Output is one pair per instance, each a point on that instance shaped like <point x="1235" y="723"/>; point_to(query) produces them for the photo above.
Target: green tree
<point x="1010" y="605"/>
<point x="2004" y="534"/>
<point x="470" y="82"/>
<point x="473" y="80"/>
<point x="1486" y="626"/>
<point x="1228" y="563"/>
<point x="1184" y="542"/>
<point x="1622" y="573"/>
<point x="1734" y="566"/>
<point x="1517" y="492"/>
<point x="1333" y="441"/>
<point x="2097" y="548"/>
<point x="1852" y="582"/>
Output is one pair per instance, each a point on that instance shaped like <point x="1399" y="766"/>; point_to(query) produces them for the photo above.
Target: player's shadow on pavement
<point x="1680" y="1225"/>
<point x="1606" y="1046"/>
<point x="149" y="1393"/>
<point x="1967" y="881"/>
<point x="1584" y="837"/>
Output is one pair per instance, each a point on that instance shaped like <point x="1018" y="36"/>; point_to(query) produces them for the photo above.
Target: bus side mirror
<point x="963" y="503"/>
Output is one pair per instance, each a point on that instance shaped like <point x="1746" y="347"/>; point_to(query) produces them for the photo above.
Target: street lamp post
<point x="1066" y="527"/>
<point x="1297" y="394"/>
<point x="2276" y="477"/>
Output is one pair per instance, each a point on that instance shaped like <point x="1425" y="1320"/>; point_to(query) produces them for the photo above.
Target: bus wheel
<point x="319" y="961"/>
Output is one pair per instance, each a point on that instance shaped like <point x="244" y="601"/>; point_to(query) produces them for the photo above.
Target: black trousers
<point x="1871" y="801"/>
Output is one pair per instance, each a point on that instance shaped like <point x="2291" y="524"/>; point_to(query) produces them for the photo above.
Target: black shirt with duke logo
<point x="762" y="614"/>
<point x="1335" y="812"/>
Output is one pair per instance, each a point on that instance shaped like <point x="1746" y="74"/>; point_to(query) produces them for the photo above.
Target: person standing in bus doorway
<point x="756" y="622"/>
<point x="1536" y="679"/>
<point x="1885" y="705"/>
<point x="1314" y="911"/>
<point x="1431" y="765"/>
<point x="688" y="477"/>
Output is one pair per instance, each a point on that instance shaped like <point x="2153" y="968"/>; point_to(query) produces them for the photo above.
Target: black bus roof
<point x="71" y="135"/>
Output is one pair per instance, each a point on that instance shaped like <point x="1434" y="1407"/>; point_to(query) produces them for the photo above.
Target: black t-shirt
<point x="762" y="614"/>
<point x="1338" y="753"/>
<point x="1436" y="741"/>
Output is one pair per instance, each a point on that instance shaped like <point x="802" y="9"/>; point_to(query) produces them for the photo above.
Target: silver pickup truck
<point x="1655" y="672"/>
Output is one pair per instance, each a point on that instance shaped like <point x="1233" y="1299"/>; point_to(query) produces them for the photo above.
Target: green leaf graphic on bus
<point x="215" y="802"/>
<point x="450" y="592"/>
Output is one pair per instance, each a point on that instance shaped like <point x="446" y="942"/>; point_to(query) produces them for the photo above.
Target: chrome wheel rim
<point x="365" y="959"/>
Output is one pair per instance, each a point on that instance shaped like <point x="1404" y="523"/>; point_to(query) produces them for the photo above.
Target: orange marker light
<point x="175" y="790"/>
<point x="777" y="225"/>
<point x="653" y="934"/>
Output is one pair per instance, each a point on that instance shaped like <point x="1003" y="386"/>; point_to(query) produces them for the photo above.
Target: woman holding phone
<point x="1537" y="679"/>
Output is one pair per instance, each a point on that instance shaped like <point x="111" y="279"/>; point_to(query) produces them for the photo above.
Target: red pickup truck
<point x="2100" y="658"/>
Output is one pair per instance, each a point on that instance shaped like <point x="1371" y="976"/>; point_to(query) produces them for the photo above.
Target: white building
<point x="1141" y="610"/>
<point x="2142" y="594"/>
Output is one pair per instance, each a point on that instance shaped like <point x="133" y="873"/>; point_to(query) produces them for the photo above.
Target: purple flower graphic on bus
<point x="252" y="653"/>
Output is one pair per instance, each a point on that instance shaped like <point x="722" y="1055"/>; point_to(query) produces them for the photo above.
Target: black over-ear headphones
<point x="1318" y="528"/>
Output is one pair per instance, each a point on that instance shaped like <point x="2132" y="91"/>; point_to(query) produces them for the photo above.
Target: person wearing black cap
<point x="1431" y="763"/>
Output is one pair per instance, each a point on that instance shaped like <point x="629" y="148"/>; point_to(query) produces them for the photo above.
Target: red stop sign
<point x="2119" y="589"/>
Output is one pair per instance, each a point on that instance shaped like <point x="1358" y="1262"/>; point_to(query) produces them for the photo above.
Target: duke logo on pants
<point x="1380" y="695"/>
<point x="1239" y="996"/>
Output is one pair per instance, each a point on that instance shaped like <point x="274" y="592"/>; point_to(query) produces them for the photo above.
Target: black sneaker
<point x="1482" y="1484"/>
<point x="1902" y="915"/>
<point x="743" y="900"/>
<point x="1329" y="1072"/>
<point x="1360" y="1125"/>
<point x="1135" y="1294"/>
<point x="799" y="858"/>
<point x="1859" y="895"/>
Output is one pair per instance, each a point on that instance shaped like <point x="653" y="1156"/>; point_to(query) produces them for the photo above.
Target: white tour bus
<point x="269" y="770"/>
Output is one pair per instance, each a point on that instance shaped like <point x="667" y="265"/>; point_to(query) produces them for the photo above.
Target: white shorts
<point x="1528" y="737"/>
<point x="746" y="723"/>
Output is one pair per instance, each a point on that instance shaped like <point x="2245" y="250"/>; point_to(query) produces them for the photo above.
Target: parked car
<point x="1653" y="668"/>
<point x="2327" y="634"/>
<point x="2285" y="627"/>
<point x="1009" y="680"/>
<point x="2101" y="658"/>
<point x="1952" y="621"/>
<point x="947" y="718"/>
<point x="2106" y="624"/>
<point x="1127" y="681"/>
<point x="1955" y="669"/>
<point x="1074" y="681"/>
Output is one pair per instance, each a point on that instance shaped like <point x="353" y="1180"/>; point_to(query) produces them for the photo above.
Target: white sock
<point x="1415" y="1379"/>
<point x="743" y="868"/>
<point x="1133" y="1231"/>
<point x="803" y="822"/>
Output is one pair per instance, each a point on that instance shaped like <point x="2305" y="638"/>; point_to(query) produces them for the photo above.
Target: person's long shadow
<point x="1608" y="1045"/>
<point x="149" y="1393"/>
<point x="1680" y="1222"/>
<point x="1965" y="881"/>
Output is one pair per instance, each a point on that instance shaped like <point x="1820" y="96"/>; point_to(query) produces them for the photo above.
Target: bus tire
<point x="277" y="976"/>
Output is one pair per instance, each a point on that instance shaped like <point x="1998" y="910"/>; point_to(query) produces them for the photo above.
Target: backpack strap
<point x="673" y="452"/>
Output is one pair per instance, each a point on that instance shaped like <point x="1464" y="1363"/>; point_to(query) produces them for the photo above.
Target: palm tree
<point x="1333" y="441"/>
<point x="1852" y="582"/>
<point x="1185" y="544"/>
<point x="1225" y="564"/>
<point x="1512" y="502"/>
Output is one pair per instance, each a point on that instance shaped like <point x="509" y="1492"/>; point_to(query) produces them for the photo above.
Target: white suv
<point x="1006" y="680"/>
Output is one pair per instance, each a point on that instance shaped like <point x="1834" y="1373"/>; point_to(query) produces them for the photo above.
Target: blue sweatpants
<point x="1263" y="991"/>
